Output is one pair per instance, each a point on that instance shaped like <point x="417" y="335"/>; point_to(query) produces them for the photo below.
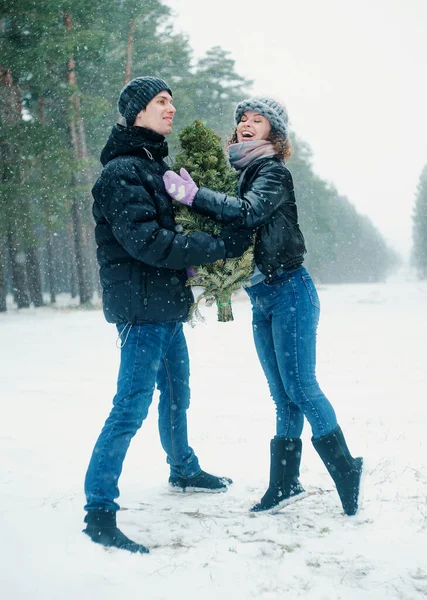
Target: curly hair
<point x="281" y="143"/>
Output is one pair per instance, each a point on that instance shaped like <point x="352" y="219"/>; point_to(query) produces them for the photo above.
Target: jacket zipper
<point x="145" y="289"/>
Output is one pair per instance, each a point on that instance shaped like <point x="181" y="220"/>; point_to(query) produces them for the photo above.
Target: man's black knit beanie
<point x="135" y="96"/>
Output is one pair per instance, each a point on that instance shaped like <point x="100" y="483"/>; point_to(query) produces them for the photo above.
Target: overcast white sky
<point x="353" y="77"/>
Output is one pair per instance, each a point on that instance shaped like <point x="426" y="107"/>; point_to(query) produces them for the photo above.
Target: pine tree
<point x="419" y="227"/>
<point x="203" y="157"/>
<point x="216" y="88"/>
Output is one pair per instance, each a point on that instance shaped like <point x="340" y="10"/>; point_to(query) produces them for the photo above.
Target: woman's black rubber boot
<point x="284" y="486"/>
<point x="345" y="470"/>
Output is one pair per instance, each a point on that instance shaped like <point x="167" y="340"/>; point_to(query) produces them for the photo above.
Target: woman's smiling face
<point x="253" y="126"/>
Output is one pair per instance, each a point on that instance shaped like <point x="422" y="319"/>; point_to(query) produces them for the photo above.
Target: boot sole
<point x="274" y="509"/>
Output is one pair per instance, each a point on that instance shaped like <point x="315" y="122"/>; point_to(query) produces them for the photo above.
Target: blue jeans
<point x="285" y="314"/>
<point x="151" y="354"/>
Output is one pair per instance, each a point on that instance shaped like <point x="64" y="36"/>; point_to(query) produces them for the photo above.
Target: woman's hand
<point x="180" y="187"/>
<point x="191" y="271"/>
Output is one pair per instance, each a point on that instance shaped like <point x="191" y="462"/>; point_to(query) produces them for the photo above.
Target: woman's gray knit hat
<point x="268" y="108"/>
<point x="135" y="96"/>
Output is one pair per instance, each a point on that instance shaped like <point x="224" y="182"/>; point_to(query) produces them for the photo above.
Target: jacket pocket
<point x="278" y="280"/>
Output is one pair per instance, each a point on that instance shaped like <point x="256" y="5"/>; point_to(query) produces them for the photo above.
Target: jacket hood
<point x="136" y="141"/>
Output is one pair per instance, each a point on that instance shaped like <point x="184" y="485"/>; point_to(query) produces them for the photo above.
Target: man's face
<point x="158" y="114"/>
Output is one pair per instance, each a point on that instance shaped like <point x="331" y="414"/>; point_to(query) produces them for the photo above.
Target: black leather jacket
<point x="142" y="258"/>
<point x="266" y="202"/>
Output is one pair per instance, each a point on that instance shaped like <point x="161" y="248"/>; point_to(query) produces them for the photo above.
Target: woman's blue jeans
<point x="285" y="317"/>
<point x="151" y="354"/>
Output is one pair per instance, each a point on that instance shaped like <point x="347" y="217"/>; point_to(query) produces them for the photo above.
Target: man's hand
<point x="236" y="241"/>
<point x="180" y="187"/>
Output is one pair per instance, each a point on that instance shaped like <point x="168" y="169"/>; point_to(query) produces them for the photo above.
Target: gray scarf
<point x="242" y="154"/>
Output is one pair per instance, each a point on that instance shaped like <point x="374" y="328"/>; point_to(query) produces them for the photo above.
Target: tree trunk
<point x="129" y="51"/>
<point x="34" y="276"/>
<point x="50" y="262"/>
<point x="16" y="251"/>
<point x="19" y="279"/>
<point x="71" y="261"/>
<point x="13" y="108"/>
<point x="79" y="210"/>
<point x="51" y="271"/>
<point x="83" y="273"/>
<point x="3" y="286"/>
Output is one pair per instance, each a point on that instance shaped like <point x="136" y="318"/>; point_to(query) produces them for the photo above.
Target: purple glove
<point x="191" y="271"/>
<point x="180" y="187"/>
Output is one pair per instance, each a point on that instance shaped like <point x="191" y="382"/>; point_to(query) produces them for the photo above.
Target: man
<point x="143" y="261"/>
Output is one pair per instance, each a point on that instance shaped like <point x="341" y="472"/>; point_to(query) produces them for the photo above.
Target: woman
<point x="284" y="300"/>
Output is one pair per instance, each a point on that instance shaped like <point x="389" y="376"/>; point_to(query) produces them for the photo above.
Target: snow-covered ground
<point x="58" y="371"/>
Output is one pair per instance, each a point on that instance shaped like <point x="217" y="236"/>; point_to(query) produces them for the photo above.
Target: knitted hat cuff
<point x="135" y="96"/>
<point x="268" y="108"/>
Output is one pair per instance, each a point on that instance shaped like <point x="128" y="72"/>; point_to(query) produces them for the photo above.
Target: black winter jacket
<point x="142" y="258"/>
<point x="266" y="201"/>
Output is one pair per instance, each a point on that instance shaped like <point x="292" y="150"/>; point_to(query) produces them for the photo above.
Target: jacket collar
<point x="134" y="141"/>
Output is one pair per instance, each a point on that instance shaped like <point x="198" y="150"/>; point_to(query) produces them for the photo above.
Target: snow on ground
<point x="58" y="372"/>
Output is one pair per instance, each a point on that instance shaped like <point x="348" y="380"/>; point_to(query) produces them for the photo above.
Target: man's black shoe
<point x="203" y="482"/>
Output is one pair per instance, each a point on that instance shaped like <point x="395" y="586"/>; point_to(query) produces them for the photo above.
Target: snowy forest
<point x="62" y="67"/>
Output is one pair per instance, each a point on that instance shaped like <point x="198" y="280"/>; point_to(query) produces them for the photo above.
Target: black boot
<point x="345" y="470"/>
<point x="101" y="528"/>
<point x="284" y="486"/>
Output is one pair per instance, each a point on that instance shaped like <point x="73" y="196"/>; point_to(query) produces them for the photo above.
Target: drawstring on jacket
<point x="119" y="341"/>
<point x="150" y="156"/>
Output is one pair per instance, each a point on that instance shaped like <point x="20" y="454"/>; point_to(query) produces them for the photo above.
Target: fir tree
<point x="203" y="157"/>
<point x="419" y="227"/>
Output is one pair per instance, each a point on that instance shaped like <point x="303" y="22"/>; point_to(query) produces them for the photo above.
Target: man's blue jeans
<point x="285" y="314"/>
<point x="151" y="354"/>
